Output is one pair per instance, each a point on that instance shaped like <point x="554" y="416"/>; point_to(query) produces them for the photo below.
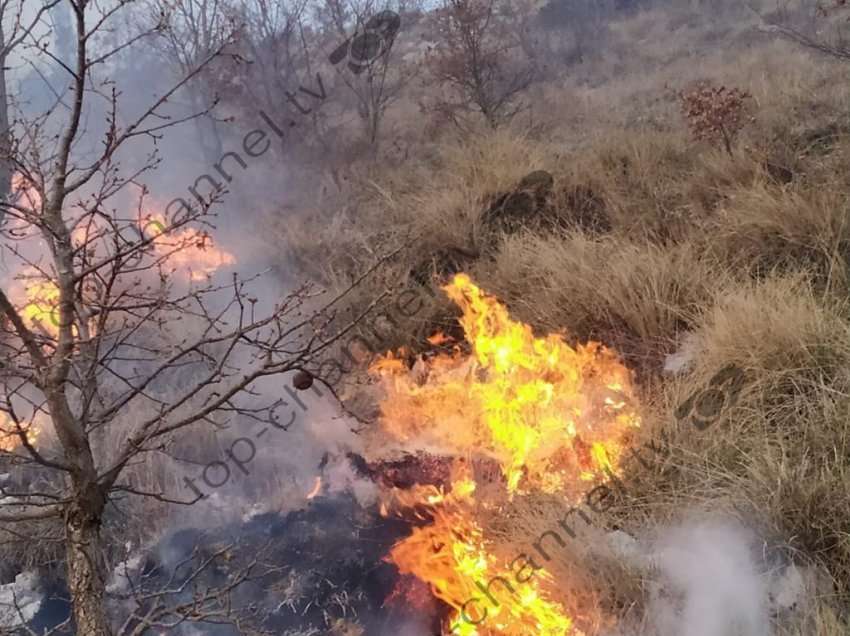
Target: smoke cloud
<point x="708" y="582"/>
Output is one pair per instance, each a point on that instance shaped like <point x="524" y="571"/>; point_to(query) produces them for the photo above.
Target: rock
<point x="778" y="173"/>
<point x="626" y="548"/>
<point x="538" y="181"/>
<point x="19" y="600"/>
<point x="791" y="589"/>
<point x="679" y="362"/>
<point x="788" y="589"/>
<point x="302" y="381"/>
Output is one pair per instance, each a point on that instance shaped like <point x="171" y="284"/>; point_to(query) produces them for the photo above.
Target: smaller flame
<point x="10" y="438"/>
<point x="317" y="488"/>
<point x="187" y="249"/>
<point x="41" y="311"/>
<point x="439" y="338"/>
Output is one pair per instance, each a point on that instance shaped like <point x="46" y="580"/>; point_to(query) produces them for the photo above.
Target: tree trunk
<point x="86" y="573"/>
<point x="5" y="150"/>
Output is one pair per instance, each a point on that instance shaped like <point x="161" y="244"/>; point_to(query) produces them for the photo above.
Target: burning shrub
<point x="714" y="113"/>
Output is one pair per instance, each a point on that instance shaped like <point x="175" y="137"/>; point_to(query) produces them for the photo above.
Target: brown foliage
<point x="714" y="113"/>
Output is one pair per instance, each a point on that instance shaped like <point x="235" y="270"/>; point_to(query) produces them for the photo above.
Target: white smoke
<point x="708" y="582"/>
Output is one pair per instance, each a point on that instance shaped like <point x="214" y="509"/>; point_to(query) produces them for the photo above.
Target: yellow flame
<point x="546" y="411"/>
<point x="452" y="554"/>
<point x="41" y="311"/>
<point x="9" y="437"/>
<point x="552" y="416"/>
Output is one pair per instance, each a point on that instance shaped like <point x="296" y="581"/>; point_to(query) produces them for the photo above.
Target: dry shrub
<point x="424" y="207"/>
<point x="585" y="574"/>
<point x="748" y="252"/>
<point x="639" y="179"/>
<point x="715" y="113"/>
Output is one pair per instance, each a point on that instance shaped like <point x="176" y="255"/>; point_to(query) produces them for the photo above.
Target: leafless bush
<point x="478" y="62"/>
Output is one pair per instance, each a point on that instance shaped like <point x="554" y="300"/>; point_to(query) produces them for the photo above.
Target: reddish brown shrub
<point x="715" y="113"/>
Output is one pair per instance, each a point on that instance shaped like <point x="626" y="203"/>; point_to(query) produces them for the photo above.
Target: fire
<point x="10" y="438"/>
<point x="36" y="298"/>
<point x="550" y="414"/>
<point x="452" y="554"/>
<point x="317" y="488"/>
<point x="40" y="310"/>
<point x="186" y="249"/>
<point x="25" y="192"/>
<point x="190" y="252"/>
<point x="553" y="418"/>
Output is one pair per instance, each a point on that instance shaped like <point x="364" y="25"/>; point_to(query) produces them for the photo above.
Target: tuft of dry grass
<point x="638" y="298"/>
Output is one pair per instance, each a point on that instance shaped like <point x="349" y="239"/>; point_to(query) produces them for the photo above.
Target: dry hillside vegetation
<point x="644" y="238"/>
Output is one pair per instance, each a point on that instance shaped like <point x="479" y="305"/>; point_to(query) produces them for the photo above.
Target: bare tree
<point x="822" y="27"/>
<point x="478" y="60"/>
<point x="192" y="30"/>
<point x="366" y="63"/>
<point x="586" y="21"/>
<point x="112" y="355"/>
<point x="15" y="28"/>
<point x="281" y="74"/>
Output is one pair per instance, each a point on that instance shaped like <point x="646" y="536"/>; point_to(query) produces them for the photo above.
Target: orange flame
<point x="553" y="417"/>
<point x="550" y="414"/>
<point x="452" y="554"/>
<point x="186" y="249"/>
<point x="10" y="438"/>
<point x="25" y="192"/>
<point x="317" y="488"/>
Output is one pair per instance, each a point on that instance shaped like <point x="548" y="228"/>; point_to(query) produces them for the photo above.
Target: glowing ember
<point x="551" y="416"/>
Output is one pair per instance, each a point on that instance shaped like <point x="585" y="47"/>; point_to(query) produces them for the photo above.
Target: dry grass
<point x="637" y="298"/>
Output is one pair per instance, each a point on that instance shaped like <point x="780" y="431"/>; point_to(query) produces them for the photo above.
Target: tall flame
<point x="550" y="414"/>
<point x="553" y="418"/>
